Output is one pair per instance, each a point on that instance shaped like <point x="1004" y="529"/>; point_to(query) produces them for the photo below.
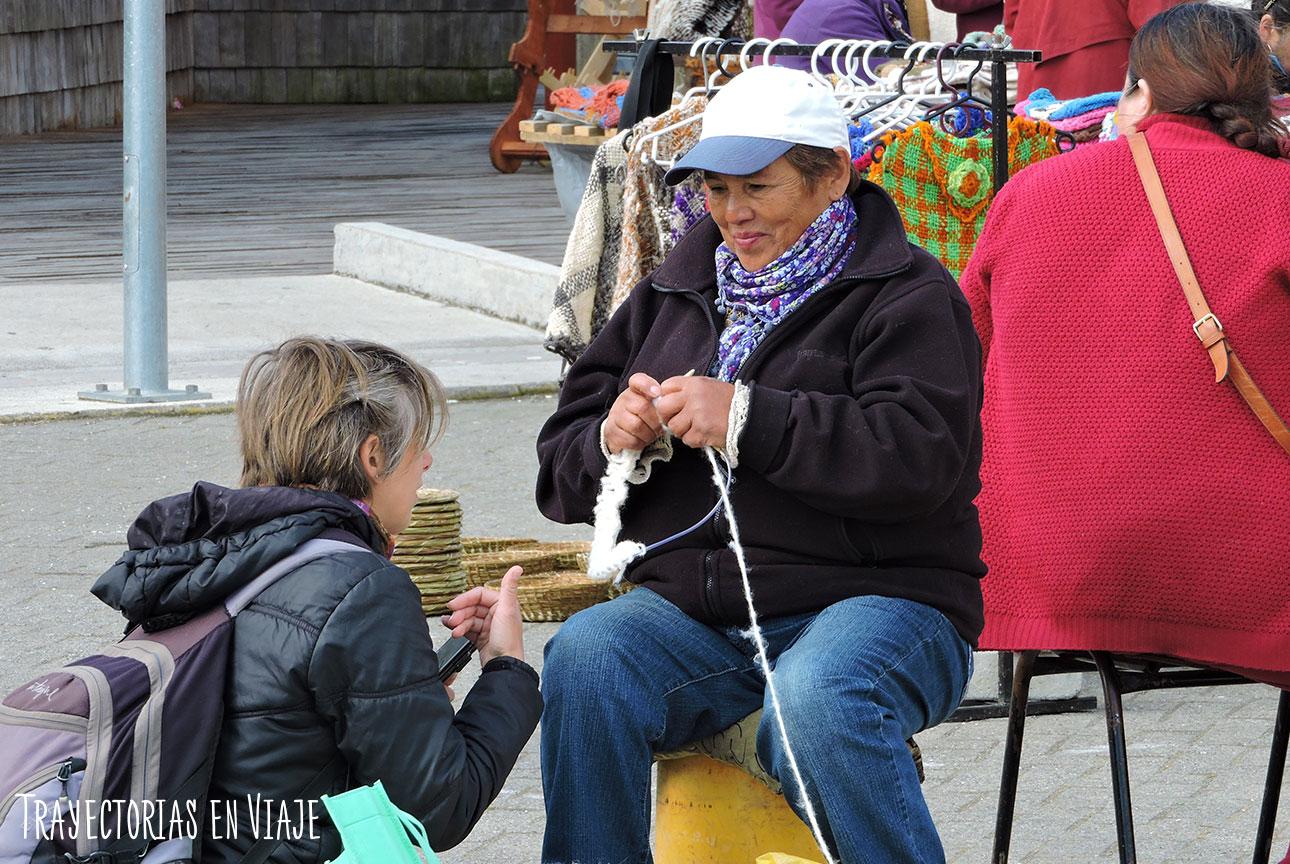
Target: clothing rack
<point x="998" y="60"/>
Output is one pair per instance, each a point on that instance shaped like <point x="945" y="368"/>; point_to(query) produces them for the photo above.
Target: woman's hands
<point x="633" y="424"/>
<point x="697" y="410"/>
<point x="490" y="619"/>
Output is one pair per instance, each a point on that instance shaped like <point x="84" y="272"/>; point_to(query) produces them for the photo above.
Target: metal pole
<point x="999" y="115"/>
<point x="144" y="204"/>
<point x="145" y="195"/>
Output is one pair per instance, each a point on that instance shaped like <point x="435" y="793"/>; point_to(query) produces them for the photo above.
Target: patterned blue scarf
<point x="754" y="303"/>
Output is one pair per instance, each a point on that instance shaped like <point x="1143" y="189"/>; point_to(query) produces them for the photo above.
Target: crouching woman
<point x="333" y="681"/>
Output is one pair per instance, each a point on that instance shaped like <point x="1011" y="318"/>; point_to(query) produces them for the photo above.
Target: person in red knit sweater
<point x="1130" y="503"/>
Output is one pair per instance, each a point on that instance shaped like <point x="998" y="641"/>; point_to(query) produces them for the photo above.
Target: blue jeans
<point x="636" y="676"/>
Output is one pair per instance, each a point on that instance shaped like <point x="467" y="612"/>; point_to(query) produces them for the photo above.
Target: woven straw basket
<point x="554" y="596"/>
<point x="479" y="545"/>
<point x="489" y="566"/>
<point x="569" y="554"/>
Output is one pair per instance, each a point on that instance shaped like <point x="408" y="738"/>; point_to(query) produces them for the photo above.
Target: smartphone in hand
<point x="453" y="656"/>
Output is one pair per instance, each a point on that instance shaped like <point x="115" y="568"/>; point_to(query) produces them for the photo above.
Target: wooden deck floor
<point x="255" y="190"/>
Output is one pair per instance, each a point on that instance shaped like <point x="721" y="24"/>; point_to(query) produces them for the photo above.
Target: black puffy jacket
<point x="333" y="659"/>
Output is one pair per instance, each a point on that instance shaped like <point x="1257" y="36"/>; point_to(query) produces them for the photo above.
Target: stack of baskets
<point x="554" y="584"/>
<point x="430" y="549"/>
<point x="443" y="564"/>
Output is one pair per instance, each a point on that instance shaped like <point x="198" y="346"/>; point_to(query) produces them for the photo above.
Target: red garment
<point x="1129" y="503"/>
<point x="1085" y="44"/>
<point x="973" y="15"/>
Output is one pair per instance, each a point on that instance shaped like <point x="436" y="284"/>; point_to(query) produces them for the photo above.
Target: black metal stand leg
<point x="1022" y="671"/>
<point x="1119" y="756"/>
<point x="999" y="122"/>
<point x="1272" y="788"/>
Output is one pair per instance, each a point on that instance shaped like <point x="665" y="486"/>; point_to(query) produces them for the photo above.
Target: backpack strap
<point x="316" y="548"/>
<point x="263" y="848"/>
<point x="308" y="551"/>
<point x="1206" y="325"/>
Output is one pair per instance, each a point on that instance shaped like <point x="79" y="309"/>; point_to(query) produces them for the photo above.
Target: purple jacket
<point x="817" y="20"/>
<point x="770" y="16"/>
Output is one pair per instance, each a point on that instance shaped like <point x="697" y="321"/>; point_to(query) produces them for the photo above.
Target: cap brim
<point x="727" y="154"/>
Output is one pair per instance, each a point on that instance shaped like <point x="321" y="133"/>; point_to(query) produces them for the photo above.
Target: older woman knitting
<point x="837" y="370"/>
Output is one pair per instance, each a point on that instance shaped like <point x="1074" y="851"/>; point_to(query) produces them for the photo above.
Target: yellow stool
<point x="718" y="805"/>
<point x="712" y="813"/>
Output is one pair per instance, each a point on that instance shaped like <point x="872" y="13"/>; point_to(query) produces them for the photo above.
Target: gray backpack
<point x="108" y="760"/>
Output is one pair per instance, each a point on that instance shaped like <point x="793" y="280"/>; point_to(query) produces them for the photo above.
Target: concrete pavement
<point x="56" y="340"/>
<point x="69" y="489"/>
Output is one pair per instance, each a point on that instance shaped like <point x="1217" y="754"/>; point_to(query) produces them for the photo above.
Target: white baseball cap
<point x="758" y="117"/>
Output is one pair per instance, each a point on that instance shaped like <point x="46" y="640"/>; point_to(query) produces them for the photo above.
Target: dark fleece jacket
<point x="859" y="461"/>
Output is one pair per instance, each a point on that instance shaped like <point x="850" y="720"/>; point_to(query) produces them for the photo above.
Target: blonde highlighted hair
<point x="305" y="408"/>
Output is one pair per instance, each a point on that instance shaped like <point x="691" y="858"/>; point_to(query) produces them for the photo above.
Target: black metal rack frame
<point x="998" y="58"/>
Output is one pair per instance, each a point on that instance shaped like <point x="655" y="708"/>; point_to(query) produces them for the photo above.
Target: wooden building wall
<point x="61" y="60"/>
<point x="355" y="50"/>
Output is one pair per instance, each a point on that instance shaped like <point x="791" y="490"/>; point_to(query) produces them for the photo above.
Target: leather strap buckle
<point x="1200" y="322"/>
<point x="120" y="856"/>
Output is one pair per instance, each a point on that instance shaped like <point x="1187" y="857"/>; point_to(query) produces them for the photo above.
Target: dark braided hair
<point x="1208" y="61"/>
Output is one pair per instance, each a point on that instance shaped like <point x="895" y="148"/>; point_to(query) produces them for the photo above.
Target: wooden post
<point x="548" y="42"/>
<point x="919" y="24"/>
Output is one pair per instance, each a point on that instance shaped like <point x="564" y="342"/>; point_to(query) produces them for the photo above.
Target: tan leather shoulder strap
<point x="1206" y="325"/>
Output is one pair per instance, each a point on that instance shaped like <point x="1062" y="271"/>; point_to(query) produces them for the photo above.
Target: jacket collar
<point x="189" y="552"/>
<point x="882" y="248"/>
<point x="212" y="512"/>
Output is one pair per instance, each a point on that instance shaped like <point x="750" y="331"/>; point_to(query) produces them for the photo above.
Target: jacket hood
<point x="189" y="552"/>
<point x="882" y="248"/>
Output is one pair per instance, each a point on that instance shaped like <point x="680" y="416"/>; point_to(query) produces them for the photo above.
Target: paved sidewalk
<point x="68" y="490"/>
<point x="58" y="339"/>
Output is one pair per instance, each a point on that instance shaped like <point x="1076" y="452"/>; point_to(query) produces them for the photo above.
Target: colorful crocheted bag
<point x="943" y="185"/>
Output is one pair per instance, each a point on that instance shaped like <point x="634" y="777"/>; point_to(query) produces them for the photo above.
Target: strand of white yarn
<point x="608" y="558"/>
<point x="754" y="629"/>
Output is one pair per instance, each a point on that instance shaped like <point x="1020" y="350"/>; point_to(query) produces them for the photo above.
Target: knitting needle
<point x="654" y="401"/>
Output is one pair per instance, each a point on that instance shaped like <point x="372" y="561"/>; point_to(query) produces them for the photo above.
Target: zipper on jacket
<point x="707" y="313"/>
<point x="783" y="329"/>
<point x="710" y="599"/>
<point x="719" y="525"/>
